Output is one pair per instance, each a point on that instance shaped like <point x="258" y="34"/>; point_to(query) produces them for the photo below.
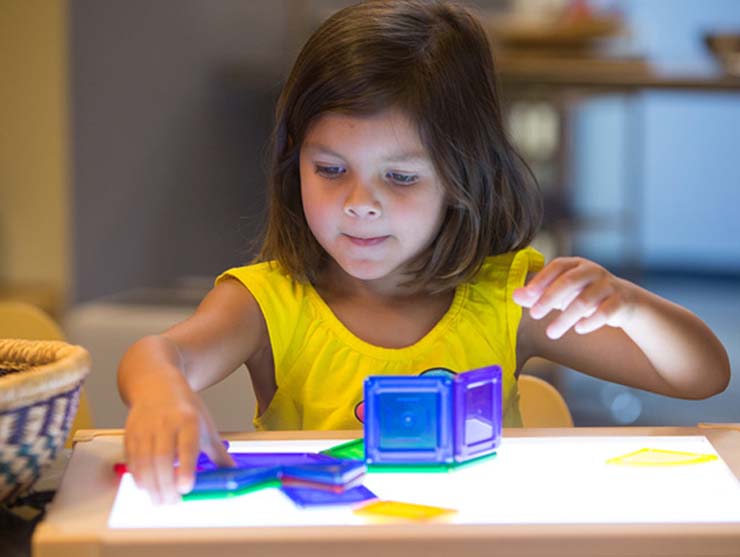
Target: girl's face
<point x="370" y="192"/>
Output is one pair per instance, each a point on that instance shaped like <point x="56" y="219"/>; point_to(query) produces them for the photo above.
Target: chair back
<point x="26" y="321"/>
<point x="20" y="320"/>
<point x="541" y="405"/>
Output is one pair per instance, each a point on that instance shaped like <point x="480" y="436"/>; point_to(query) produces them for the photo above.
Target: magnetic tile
<point x="337" y="473"/>
<point x="306" y="497"/>
<point x="404" y="511"/>
<point x="660" y="457"/>
<point x="354" y="450"/>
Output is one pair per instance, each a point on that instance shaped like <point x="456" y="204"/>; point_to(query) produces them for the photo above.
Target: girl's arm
<point x="611" y="328"/>
<point x="158" y="378"/>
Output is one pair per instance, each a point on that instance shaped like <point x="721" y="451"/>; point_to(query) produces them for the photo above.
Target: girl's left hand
<point x="588" y="295"/>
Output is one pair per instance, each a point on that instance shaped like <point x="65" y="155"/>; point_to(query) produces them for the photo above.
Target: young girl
<point x="396" y="243"/>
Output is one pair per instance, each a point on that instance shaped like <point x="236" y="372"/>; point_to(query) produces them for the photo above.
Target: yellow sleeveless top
<point x="320" y="365"/>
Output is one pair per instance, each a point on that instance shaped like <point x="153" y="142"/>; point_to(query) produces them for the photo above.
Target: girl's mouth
<point x="366" y="242"/>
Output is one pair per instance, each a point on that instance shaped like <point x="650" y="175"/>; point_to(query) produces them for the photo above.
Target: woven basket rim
<point x="55" y="368"/>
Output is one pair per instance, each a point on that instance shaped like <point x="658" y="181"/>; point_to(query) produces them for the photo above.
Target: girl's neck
<point x="335" y="283"/>
<point x="380" y="312"/>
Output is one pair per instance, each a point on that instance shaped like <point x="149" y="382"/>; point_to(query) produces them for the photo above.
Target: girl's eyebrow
<point x="406" y="156"/>
<point x="403" y="156"/>
<point x="313" y="146"/>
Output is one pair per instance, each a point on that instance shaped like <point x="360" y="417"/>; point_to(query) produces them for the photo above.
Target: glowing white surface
<point x="530" y="481"/>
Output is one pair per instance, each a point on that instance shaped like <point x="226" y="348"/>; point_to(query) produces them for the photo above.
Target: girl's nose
<point x="361" y="204"/>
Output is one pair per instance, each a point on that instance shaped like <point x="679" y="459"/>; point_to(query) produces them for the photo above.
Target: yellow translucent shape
<point x="660" y="457"/>
<point x="399" y="510"/>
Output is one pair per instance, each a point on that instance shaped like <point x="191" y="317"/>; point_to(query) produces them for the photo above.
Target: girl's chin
<point x="365" y="273"/>
<point x="366" y="270"/>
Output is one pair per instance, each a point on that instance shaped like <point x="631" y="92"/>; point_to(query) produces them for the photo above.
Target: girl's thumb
<point x="218" y="453"/>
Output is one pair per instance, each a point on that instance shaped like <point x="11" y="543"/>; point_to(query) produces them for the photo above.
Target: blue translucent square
<point x="267" y="460"/>
<point x="232" y="479"/>
<point x="339" y="473"/>
<point x="307" y="497"/>
<point x="408" y="420"/>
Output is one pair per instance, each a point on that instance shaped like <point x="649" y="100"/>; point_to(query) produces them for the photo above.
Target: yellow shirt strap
<point x="526" y="261"/>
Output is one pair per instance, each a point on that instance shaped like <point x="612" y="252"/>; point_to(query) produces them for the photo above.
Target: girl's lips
<point x="366" y="241"/>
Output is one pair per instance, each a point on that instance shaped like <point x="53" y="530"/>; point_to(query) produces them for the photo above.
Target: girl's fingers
<point x="144" y="469"/>
<point x="535" y="287"/>
<point x="128" y="451"/>
<point x="562" y="291"/>
<point x="600" y="317"/>
<point x="152" y="448"/>
<point x="163" y="461"/>
<point x="135" y="461"/>
<point x="216" y="451"/>
<point x="524" y="297"/>
<point x="583" y="305"/>
<point x="187" y="451"/>
<point x="219" y="454"/>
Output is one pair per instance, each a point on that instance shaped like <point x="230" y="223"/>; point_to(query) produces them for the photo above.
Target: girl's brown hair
<point x="432" y="60"/>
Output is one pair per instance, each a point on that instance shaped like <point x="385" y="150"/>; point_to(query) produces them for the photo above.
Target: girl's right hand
<point x="164" y="429"/>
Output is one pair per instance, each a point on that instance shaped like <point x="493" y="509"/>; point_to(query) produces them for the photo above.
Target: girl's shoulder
<point x="285" y="303"/>
<point x="271" y="284"/>
<point x="271" y="269"/>
<point x="269" y="274"/>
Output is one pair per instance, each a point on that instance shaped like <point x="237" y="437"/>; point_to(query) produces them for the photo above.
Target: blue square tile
<point x="408" y="420"/>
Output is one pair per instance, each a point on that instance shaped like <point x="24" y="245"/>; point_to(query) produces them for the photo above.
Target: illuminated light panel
<point x="545" y="480"/>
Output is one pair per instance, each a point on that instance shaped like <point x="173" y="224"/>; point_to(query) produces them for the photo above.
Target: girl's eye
<point x="329" y="171"/>
<point x="401" y="178"/>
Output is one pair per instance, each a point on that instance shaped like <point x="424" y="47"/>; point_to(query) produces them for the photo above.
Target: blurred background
<point x="132" y="156"/>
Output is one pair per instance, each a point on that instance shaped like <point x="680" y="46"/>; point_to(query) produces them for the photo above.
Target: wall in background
<point x="172" y="106"/>
<point x="34" y="182"/>
<point x="666" y="158"/>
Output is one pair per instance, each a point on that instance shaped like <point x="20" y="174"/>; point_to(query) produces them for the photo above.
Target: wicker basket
<point x="40" y="385"/>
